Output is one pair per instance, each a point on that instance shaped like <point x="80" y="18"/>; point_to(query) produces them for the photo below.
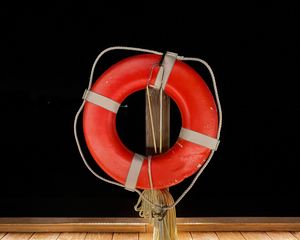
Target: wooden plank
<point x="72" y="225"/>
<point x="157" y="119"/>
<point x="204" y="236"/>
<point x="2" y="234"/>
<point x="184" y="236"/>
<point x="230" y="236"/>
<point x="44" y="236"/>
<point x="99" y="236"/>
<point x="281" y="236"/>
<point x="145" y="236"/>
<point x="297" y="235"/>
<point x="239" y="224"/>
<point x="256" y="236"/>
<point x="125" y="236"/>
<point x="155" y="107"/>
<point x="141" y="225"/>
<point x="71" y="236"/>
<point x="17" y="236"/>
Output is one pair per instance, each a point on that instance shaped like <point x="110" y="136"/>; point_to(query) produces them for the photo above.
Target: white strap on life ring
<point x="165" y="70"/>
<point x="134" y="172"/>
<point x="199" y="138"/>
<point x="101" y="101"/>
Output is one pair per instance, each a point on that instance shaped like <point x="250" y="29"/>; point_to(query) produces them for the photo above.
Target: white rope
<point x="160" y="120"/>
<point x="84" y="101"/>
<point x="218" y="133"/>
<point x="82" y="105"/>
<point x="117" y="48"/>
<point x="150" y="107"/>
<point x="149" y="172"/>
<point x="151" y="118"/>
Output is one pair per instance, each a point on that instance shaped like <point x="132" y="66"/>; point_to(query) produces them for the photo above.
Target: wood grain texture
<point x="155" y="107"/>
<point x="184" y="236"/>
<point x="17" y="236"/>
<point x="256" y="236"/>
<point x="148" y="236"/>
<point x="125" y="236"/>
<point x="71" y="236"/>
<point x="145" y="236"/>
<point x="2" y="234"/>
<point x="230" y="236"/>
<point x="281" y="236"/>
<point x="245" y="224"/>
<point x="297" y="235"/>
<point x="204" y="236"/>
<point x="99" y="236"/>
<point x="44" y="236"/>
<point x="72" y="225"/>
<point x="239" y="224"/>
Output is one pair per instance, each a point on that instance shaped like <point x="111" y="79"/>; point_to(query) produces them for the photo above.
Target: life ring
<point x="194" y="100"/>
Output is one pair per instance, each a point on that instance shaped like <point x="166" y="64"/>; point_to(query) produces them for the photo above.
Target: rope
<point x="160" y="119"/>
<point x="149" y="172"/>
<point x="218" y="133"/>
<point x="119" y="184"/>
<point x="151" y="119"/>
<point x="150" y="107"/>
<point x="82" y="105"/>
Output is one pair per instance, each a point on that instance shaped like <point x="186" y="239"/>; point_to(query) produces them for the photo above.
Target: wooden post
<point x="155" y="105"/>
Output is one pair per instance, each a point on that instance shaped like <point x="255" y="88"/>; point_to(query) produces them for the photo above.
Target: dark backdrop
<point x="46" y="55"/>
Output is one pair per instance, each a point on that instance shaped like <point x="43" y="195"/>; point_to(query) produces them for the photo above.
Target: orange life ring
<point x="194" y="100"/>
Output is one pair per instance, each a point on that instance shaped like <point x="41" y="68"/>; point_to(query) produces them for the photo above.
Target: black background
<point x="46" y="55"/>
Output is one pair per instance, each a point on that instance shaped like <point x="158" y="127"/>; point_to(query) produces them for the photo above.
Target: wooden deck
<point x="216" y="224"/>
<point x="138" y="229"/>
<point x="148" y="236"/>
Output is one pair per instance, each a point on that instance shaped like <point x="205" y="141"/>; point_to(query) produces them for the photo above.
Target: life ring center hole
<point x="131" y="124"/>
